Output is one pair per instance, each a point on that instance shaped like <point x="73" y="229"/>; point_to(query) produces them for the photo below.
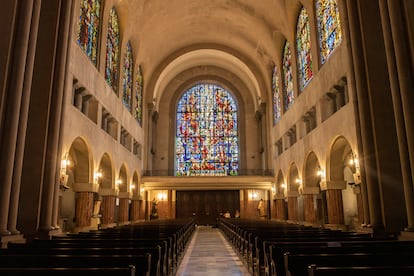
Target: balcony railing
<point x="247" y="172"/>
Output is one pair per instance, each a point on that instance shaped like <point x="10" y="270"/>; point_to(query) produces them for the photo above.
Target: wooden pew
<point x="314" y="270"/>
<point x="68" y="271"/>
<point x="12" y="262"/>
<point x="297" y="264"/>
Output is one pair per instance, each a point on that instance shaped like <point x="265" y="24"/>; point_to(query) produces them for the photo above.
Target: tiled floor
<point x="209" y="253"/>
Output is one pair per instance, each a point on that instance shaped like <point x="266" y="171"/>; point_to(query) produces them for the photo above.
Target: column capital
<point x="85" y="187"/>
<point x="333" y="185"/>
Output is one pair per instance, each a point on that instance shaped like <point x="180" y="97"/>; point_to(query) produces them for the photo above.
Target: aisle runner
<point x="209" y="253"/>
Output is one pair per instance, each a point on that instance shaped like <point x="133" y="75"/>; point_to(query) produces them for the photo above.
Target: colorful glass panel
<point x="287" y="77"/>
<point x="303" y="47"/>
<point x="207" y="140"/>
<point x="112" y="50"/>
<point x="89" y="27"/>
<point x="127" y="78"/>
<point x="329" y="27"/>
<point x="276" y="97"/>
<point x="139" y="86"/>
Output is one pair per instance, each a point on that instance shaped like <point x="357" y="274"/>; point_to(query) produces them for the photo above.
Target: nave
<point x="209" y="253"/>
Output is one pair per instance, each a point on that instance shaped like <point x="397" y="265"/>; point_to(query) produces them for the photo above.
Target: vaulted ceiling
<point x="243" y="37"/>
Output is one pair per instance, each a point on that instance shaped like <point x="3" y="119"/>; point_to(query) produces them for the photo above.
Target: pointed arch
<point x="276" y="99"/>
<point x="329" y="27"/>
<point x="127" y="77"/>
<point x="112" y="50"/>
<point x="303" y="48"/>
<point x="287" y="77"/>
<point x="89" y="25"/>
<point x="138" y="94"/>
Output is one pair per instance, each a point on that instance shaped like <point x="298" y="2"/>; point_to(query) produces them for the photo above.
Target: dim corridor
<point x="209" y="253"/>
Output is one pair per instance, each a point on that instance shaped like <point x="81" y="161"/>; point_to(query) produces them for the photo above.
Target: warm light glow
<point x="283" y="185"/>
<point x="298" y="181"/>
<point x="162" y="196"/>
<point x="142" y="190"/>
<point x="253" y="195"/>
<point x="118" y="182"/>
<point x="132" y="186"/>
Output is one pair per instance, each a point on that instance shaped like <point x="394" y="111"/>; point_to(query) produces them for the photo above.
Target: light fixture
<point x="64" y="165"/>
<point x="132" y="186"/>
<point x="162" y="196"/>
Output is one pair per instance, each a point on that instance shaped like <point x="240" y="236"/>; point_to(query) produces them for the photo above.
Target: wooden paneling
<point x="206" y="206"/>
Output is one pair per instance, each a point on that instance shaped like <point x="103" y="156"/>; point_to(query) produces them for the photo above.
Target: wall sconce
<point x="97" y="176"/>
<point x="142" y="190"/>
<point x="253" y="195"/>
<point x="64" y="165"/>
<point x="273" y="189"/>
<point x="117" y="183"/>
<point x="132" y="187"/>
<point x="298" y="181"/>
<point x="162" y="196"/>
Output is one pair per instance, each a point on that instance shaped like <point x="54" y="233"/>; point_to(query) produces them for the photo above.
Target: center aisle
<point x="209" y="253"/>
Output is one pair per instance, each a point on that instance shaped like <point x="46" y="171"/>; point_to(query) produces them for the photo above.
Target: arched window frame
<point x="303" y="49"/>
<point x="288" y="92"/>
<point x="127" y="77"/>
<point x="138" y="94"/>
<point x="206" y="140"/>
<point x="329" y="27"/>
<point x="276" y="99"/>
<point x="89" y="28"/>
<point x="112" y="50"/>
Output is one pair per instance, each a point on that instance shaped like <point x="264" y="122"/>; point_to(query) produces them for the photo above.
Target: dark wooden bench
<point x="297" y="264"/>
<point x="68" y="271"/>
<point x="314" y="270"/>
<point x="142" y="262"/>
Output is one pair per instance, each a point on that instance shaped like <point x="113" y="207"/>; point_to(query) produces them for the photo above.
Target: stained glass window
<point x="304" y="49"/>
<point x="276" y="96"/>
<point x="112" y="50"/>
<point x="139" y="86"/>
<point x="287" y="77"/>
<point x="329" y="27"/>
<point x="207" y="132"/>
<point x="127" y="78"/>
<point x="89" y="27"/>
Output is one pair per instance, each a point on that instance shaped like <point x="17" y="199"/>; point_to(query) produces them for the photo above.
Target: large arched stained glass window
<point x="277" y="112"/>
<point x="287" y="77"/>
<point x="303" y="47"/>
<point x="127" y="78"/>
<point x="206" y="140"/>
<point x="139" y="87"/>
<point x="112" y="50"/>
<point x="89" y="27"/>
<point x="329" y="27"/>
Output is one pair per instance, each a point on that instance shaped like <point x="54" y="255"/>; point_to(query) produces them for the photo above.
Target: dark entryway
<point x="206" y="206"/>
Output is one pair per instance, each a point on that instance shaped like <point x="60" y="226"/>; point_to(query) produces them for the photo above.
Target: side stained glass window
<point x="127" y="78"/>
<point x="287" y="77"/>
<point x="276" y="97"/>
<point x="112" y="50"/>
<point x="329" y="27"/>
<point x="139" y="87"/>
<point x="88" y="34"/>
<point x="207" y="140"/>
<point x="303" y="46"/>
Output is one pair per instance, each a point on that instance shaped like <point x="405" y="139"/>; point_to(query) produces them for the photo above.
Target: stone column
<point x="134" y="208"/>
<point x="293" y="206"/>
<point x="363" y="106"/>
<point x="108" y="207"/>
<point x="84" y="205"/>
<point x="280" y="207"/>
<point x="124" y="199"/>
<point x="334" y="201"/>
<point x="402" y="86"/>
<point x="309" y="204"/>
<point x="24" y="110"/>
<point x="12" y="108"/>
